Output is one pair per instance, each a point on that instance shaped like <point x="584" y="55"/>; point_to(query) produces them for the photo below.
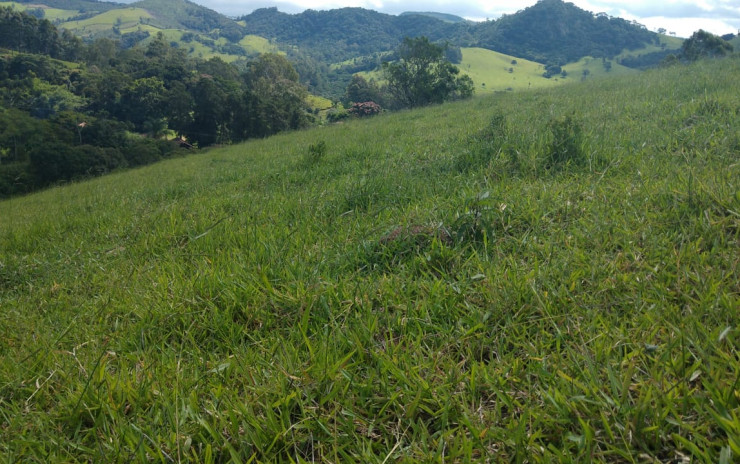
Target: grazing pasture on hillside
<point x="541" y="276"/>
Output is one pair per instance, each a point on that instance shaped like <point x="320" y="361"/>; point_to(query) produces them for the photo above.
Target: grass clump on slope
<point x="431" y="285"/>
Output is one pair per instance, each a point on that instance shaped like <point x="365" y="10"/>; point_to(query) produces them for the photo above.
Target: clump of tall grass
<point x="566" y="144"/>
<point x="485" y="147"/>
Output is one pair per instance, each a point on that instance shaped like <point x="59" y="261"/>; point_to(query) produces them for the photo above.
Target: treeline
<point x="105" y="107"/>
<point x="23" y="32"/>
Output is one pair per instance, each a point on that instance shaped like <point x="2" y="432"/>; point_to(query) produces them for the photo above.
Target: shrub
<point x="337" y="114"/>
<point x="566" y="145"/>
<point x="315" y="152"/>
<point x="14" y="179"/>
<point x="485" y="146"/>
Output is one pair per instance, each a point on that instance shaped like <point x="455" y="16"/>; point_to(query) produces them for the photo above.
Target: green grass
<point x="490" y="71"/>
<point x="257" y="44"/>
<point x="124" y="18"/>
<point x="442" y="285"/>
<point x="51" y="14"/>
<point x="666" y="42"/>
<point x="495" y="72"/>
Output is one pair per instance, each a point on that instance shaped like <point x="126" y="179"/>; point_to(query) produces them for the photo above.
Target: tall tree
<point x="422" y="75"/>
<point x="278" y="100"/>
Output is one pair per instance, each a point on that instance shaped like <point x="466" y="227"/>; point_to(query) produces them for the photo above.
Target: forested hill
<point x="550" y="31"/>
<point x="342" y="34"/>
<point x="558" y="32"/>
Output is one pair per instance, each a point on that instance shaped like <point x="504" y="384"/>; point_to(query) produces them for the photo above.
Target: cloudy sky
<point x="680" y="16"/>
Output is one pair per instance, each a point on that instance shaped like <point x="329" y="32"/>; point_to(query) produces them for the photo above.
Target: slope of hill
<point x="438" y="285"/>
<point x="103" y="23"/>
<point x="191" y="16"/>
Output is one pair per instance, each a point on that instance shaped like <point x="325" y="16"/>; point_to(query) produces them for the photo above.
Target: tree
<point x="423" y="76"/>
<point x="208" y="116"/>
<point x="142" y="102"/>
<point x="179" y="108"/>
<point x="361" y="90"/>
<point x="17" y="131"/>
<point x="276" y="100"/>
<point x="704" y="44"/>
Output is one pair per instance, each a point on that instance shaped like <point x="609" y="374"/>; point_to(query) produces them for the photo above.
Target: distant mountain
<point x="550" y="31"/>
<point x="448" y="18"/>
<point x="557" y="32"/>
<point x="342" y="34"/>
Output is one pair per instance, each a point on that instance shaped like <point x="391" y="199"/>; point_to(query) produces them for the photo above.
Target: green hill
<point x="552" y="31"/>
<point x="542" y="276"/>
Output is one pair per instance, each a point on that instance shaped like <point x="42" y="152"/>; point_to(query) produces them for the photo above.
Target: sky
<point x="680" y="16"/>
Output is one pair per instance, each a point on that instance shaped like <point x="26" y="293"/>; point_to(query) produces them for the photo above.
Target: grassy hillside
<point x="52" y="14"/>
<point x="438" y="285"/>
<point x="124" y="18"/>
<point x="495" y="72"/>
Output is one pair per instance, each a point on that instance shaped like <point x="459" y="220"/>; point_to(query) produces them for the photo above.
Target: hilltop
<point x="543" y="276"/>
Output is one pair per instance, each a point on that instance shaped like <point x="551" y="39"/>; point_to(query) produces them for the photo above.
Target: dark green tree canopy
<point x="422" y="75"/>
<point x="703" y="44"/>
<point x="361" y="90"/>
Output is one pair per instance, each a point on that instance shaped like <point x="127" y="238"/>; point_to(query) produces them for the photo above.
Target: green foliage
<point x="361" y="90"/>
<point x="703" y="44"/>
<point x="23" y="32"/>
<point x="422" y="76"/>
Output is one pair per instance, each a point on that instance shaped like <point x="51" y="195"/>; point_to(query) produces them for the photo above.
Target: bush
<point x="14" y="179"/>
<point x="52" y="162"/>
<point x="337" y="114"/>
<point x="144" y="151"/>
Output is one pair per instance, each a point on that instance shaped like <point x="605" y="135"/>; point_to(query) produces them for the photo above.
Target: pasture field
<point x="542" y="276"/>
<point x="256" y="44"/>
<point x="492" y="71"/>
<point x="51" y="14"/>
<point x="126" y="18"/>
